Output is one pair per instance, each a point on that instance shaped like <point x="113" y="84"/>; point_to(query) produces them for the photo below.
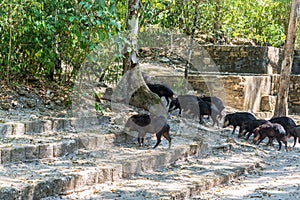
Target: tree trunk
<point x="132" y="89"/>
<point x="281" y="108"/>
<point x="132" y="25"/>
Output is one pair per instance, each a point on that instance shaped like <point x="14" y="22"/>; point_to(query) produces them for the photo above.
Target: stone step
<point x="82" y="163"/>
<point x="44" y="126"/>
<point x="184" y="179"/>
<point x="39" y="179"/>
<point x="34" y="147"/>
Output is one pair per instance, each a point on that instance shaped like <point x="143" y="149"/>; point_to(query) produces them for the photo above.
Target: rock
<point x="165" y="60"/>
<point x="31" y="103"/>
<point x="21" y="91"/>
<point x="14" y="103"/>
<point x="48" y="93"/>
<point x="5" y="106"/>
<point x="267" y="103"/>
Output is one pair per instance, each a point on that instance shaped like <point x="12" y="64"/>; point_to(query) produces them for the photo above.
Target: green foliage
<point x="263" y="22"/>
<point x="99" y="109"/>
<point x="38" y="35"/>
<point x="43" y="32"/>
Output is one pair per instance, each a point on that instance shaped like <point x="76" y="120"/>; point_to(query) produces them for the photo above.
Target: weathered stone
<point x="6" y="155"/>
<point x="31" y="152"/>
<point x="64" y="148"/>
<point x="18" y="129"/>
<point x="46" y="151"/>
<point x="17" y="154"/>
<point x="31" y="103"/>
<point x="5" y="106"/>
<point x="68" y="184"/>
<point x="267" y="103"/>
<point x="6" y="129"/>
<point x="8" y="193"/>
<point x="38" y="126"/>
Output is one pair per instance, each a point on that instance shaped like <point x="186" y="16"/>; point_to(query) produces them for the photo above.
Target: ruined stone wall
<point x="245" y="77"/>
<point x="294" y="94"/>
<point x="245" y="59"/>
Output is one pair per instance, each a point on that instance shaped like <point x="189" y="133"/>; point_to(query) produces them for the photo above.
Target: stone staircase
<point x="75" y="159"/>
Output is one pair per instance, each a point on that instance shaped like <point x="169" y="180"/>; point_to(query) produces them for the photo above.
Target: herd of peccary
<point x="279" y="128"/>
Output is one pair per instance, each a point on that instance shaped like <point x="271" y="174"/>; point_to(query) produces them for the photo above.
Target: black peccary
<point x="217" y="102"/>
<point x="249" y="126"/>
<point x="161" y="91"/>
<point x="207" y="108"/>
<point x="174" y="105"/>
<point x="237" y="119"/>
<point x="144" y="123"/>
<point x="294" y="131"/>
<point x="283" y="121"/>
<point x="194" y="106"/>
<point x="271" y="130"/>
<point x="184" y="102"/>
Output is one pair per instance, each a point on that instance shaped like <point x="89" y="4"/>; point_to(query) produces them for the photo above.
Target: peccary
<point x="217" y="102"/>
<point x="237" y="119"/>
<point x="207" y="108"/>
<point x="283" y="121"/>
<point x="270" y="130"/>
<point x="194" y="106"/>
<point x="184" y="102"/>
<point x="294" y="131"/>
<point x="144" y="123"/>
<point x="161" y="91"/>
<point x="249" y="126"/>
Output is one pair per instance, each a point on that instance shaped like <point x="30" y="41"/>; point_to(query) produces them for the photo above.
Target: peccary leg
<point x="285" y="143"/>
<point x="261" y="139"/>
<point x="158" y="137"/>
<point x="167" y="99"/>
<point x="270" y="142"/>
<point x="141" y="141"/>
<point x="167" y="135"/>
<point x="279" y="142"/>
<point x="248" y="135"/>
<point x="234" y="127"/>
<point x="214" y="119"/>
<point x="295" y="140"/>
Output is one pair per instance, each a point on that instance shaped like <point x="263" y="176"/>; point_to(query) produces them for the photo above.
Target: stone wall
<point x="245" y="77"/>
<point x="255" y="61"/>
<point x="245" y="59"/>
<point x="294" y="94"/>
<point x="249" y="59"/>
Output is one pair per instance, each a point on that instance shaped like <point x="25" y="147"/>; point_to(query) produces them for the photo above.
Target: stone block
<point x="26" y="192"/>
<point x="83" y="141"/>
<point x="92" y="142"/>
<point x="42" y="189"/>
<point x="6" y="155"/>
<point x="47" y="126"/>
<point x="9" y="193"/>
<point x="39" y="126"/>
<point x="68" y="184"/>
<point x="18" y="129"/>
<point x="31" y="152"/>
<point x="33" y="127"/>
<point x="64" y="148"/>
<point x="267" y="103"/>
<point x="46" y="150"/>
<point x="17" y="154"/>
<point x="6" y="129"/>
